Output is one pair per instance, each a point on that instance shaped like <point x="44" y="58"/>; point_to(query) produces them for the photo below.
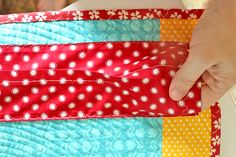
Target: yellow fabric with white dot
<point x="187" y="136"/>
<point x="177" y="30"/>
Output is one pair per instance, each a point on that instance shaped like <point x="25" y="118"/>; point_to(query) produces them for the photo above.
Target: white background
<point x="228" y="145"/>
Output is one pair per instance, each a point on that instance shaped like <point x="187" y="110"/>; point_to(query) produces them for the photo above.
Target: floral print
<point x="215" y="131"/>
<point x="40" y="16"/>
<point x="123" y="14"/>
<point x="78" y="15"/>
<point x="135" y="15"/>
<point x="94" y="14"/>
<point x="27" y="18"/>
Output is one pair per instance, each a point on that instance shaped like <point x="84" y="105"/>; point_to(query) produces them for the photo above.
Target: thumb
<point x="187" y="75"/>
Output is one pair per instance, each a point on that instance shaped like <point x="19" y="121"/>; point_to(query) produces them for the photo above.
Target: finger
<point x="186" y="77"/>
<point x="209" y="82"/>
<point x="59" y="4"/>
<point x="213" y="90"/>
<point x="208" y="78"/>
<point x="40" y="5"/>
<point x="210" y="96"/>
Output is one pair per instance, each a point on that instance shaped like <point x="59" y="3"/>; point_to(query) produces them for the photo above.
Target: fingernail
<point x="176" y="94"/>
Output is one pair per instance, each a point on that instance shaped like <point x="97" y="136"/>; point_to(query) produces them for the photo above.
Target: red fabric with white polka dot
<point x="92" y="80"/>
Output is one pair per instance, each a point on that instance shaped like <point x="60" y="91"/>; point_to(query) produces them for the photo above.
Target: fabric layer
<point x="64" y="32"/>
<point x="114" y="14"/>
<point x="92" y="80"/>
<point x="94" y="137"/>
<point x="187" y="136"/>
<point x="177" y="30"/>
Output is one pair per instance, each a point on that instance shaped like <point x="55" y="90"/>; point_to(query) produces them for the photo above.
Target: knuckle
<point x="217" y="86"/>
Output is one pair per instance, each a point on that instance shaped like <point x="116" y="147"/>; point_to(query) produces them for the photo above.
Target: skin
<point x="44" y="5"/>
<point x="212" y="55"/>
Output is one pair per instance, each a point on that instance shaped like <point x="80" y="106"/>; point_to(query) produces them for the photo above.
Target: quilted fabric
<point x="109" y="137"/>
<point x="177" y="29"/>
<point x="79" y="31"/>
<point x="92" y="80"/>
<point x="150" y="137"/>
<point x="178" y="131"/>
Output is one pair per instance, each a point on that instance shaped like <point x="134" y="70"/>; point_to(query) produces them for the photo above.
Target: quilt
<point x="95" y="83"/>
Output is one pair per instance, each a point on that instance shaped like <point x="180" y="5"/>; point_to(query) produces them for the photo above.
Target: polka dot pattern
<point x="178" y="30"/>
<point x="187" y="136"/>
<point x="92" y="79"/>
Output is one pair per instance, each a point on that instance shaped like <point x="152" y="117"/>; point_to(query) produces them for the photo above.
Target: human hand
<point x="46" y="5"/>
<point x="212" y="55"/>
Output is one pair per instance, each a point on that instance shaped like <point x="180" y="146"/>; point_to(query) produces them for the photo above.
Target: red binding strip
<point x="123" y="14"/>
<point x="215" y="130"/>
<point x="92" y="80"/>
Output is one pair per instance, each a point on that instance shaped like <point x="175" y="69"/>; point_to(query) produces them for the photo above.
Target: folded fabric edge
<point x="215" y="130"/>
<point x="124" y="14"/>
<point x="56" y="46"/>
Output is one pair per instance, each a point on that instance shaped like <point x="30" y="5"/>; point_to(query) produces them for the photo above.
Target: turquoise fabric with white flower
<point x="121" y="137"/>
<point x="80" y="31"/>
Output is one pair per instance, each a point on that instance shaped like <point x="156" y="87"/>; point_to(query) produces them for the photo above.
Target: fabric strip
<point x="93" y="137"/>
<point x="123" y="14"/>
<point x="63" y="32"/>
<point x="215" y="130"/>
<point x="193" y="136"/>
<point x="187" y="136"/>
<point x="92" y="80"/>
<point x="177" y="30"/>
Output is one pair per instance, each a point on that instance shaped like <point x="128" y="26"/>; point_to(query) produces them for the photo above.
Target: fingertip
<point x="183" y="80"/>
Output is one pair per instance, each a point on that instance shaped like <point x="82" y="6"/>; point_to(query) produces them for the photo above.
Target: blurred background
<point x="19" y="6"/>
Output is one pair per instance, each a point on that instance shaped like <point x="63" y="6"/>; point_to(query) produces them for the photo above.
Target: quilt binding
<point x="114" y="14"/>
